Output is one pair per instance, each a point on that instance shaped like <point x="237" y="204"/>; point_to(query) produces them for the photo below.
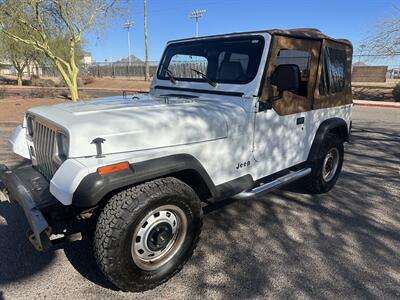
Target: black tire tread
<point x="313" y="183"/>
<point x="111" y="223"/>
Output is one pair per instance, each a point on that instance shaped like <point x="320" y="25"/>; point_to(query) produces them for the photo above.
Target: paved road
<point x="342" y="244"/>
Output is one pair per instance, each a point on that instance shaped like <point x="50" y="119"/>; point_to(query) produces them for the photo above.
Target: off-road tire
<point x="315" y="183"/>
<point x="122" y="215"/>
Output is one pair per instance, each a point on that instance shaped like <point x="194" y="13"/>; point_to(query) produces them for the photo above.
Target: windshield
<point x="225" y="60"/>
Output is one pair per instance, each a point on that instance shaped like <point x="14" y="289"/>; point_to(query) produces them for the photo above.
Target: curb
<point x="378" y="104"/>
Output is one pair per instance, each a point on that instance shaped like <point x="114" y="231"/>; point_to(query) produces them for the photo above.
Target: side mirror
<point x="286" y="78"/>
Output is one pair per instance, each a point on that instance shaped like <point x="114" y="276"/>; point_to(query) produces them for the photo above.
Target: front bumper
<point x="30" y="190"/>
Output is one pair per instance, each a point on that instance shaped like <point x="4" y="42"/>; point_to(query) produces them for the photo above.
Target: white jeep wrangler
<point x="234" y="115"/>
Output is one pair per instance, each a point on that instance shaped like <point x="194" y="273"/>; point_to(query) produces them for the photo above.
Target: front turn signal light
<point x="113" y="168"/>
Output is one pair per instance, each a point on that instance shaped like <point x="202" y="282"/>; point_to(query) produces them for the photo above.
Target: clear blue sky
<point x="168" y="19"/>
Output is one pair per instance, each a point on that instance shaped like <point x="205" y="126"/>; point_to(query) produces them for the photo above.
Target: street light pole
<point x="128" y="25"/>
<point x="197" y="14"/>
<point x="146" y="43"/>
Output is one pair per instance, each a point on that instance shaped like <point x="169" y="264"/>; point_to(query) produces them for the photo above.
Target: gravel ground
<point x="344" y="244"/>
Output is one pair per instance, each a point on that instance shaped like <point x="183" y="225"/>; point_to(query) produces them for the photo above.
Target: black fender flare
<point x="336" y="125"/>
<point x="94" y="187"/>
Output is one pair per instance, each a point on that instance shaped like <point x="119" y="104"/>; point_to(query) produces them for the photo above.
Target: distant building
<point x="87" y="59"/>
<point x="360" y="64"/>
<point x="369" y="73"/>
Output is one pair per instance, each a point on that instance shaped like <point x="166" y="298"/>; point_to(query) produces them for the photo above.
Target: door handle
<point x="300" y="121"/>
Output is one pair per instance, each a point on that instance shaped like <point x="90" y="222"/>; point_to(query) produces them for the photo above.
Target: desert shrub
<point x="396" y="93"/>
<point x="85" y="96"/>
<point x="4" y="80"/>
<point x="65" y="95"/>
<point x="35" y="81"/>
<point x="80" y="82"/>
<point x="63" y="84"/>
<point x="43" y="92"/>
<point x="87" y="79"/>
<point x="2" y="92"/>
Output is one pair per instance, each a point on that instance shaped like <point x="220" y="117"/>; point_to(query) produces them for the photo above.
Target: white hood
<point x="141" y="123"/>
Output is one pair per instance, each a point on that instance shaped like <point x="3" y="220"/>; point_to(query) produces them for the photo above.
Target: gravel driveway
<point x="342" y="244"/>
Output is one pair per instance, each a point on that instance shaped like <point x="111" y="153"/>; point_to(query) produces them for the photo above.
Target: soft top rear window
<point x="224" y="60"/>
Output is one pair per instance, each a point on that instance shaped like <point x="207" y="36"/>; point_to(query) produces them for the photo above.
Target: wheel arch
<point x="335" y="126"/>
<point x="95" y="189"/>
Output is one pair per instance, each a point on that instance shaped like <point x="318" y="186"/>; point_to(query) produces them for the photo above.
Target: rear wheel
<point x="146" y="234"/>
<point x="326" y="166"/>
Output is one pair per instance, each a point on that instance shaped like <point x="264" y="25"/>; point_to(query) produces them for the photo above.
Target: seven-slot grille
<point x="44" y="140"/>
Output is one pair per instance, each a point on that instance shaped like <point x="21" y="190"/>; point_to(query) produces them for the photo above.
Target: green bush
<point x="396" y="93"/>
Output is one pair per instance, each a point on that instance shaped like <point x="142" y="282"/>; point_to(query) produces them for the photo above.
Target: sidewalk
<point x="377" y="103"/>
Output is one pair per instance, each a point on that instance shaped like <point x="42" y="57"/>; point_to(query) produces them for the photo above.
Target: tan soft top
<point x="308" y="33"/>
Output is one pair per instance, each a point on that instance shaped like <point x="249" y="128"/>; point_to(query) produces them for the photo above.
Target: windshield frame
<point x="258" y="37"/>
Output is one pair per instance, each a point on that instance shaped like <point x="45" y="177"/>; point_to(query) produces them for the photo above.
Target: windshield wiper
<point x="204" y="76"/>
<point x="169" y="73"/>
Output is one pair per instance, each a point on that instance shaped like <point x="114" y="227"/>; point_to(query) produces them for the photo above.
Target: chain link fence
<point x="106" y="69"/>
<point x="183" y="70"/>
<point x="112" y="69"/>
<point x="117" y="69"/>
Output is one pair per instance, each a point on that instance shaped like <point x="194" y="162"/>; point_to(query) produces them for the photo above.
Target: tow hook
<point x="31" y="237"/>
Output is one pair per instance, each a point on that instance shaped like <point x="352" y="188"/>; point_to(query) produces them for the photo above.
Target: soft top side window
<point x="333" y="75"/>
<point x="300" y="58"/>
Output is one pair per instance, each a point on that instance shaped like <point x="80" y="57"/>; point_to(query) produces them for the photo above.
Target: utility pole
<point x="146" y="43"/>
<point x="128" y="25"/>
<point x="197" y="14"/>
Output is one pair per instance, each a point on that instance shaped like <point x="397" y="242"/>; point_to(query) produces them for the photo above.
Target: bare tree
<point x="386" y="40"/>
<point x="43" y="19"/>
<point x="146" y="43"/>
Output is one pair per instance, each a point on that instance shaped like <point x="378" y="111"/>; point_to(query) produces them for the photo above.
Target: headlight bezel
<point x="29" y="125"/>
<point x="61" y="147"/>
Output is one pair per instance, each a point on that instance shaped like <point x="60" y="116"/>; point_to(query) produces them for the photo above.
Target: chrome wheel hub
<point x="158" y="237"/>
<point x="331" y="163"/>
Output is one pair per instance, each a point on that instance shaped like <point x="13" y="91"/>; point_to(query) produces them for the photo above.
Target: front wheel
<point x="326" y="166"/>
<point x="146" y="234"/>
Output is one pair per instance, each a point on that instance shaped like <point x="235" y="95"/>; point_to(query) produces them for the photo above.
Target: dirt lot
<point x="127" y="83"/>
<point x="116" y="83"/>
<point x="344" y="244"/>
<point x="13" y="108"/>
